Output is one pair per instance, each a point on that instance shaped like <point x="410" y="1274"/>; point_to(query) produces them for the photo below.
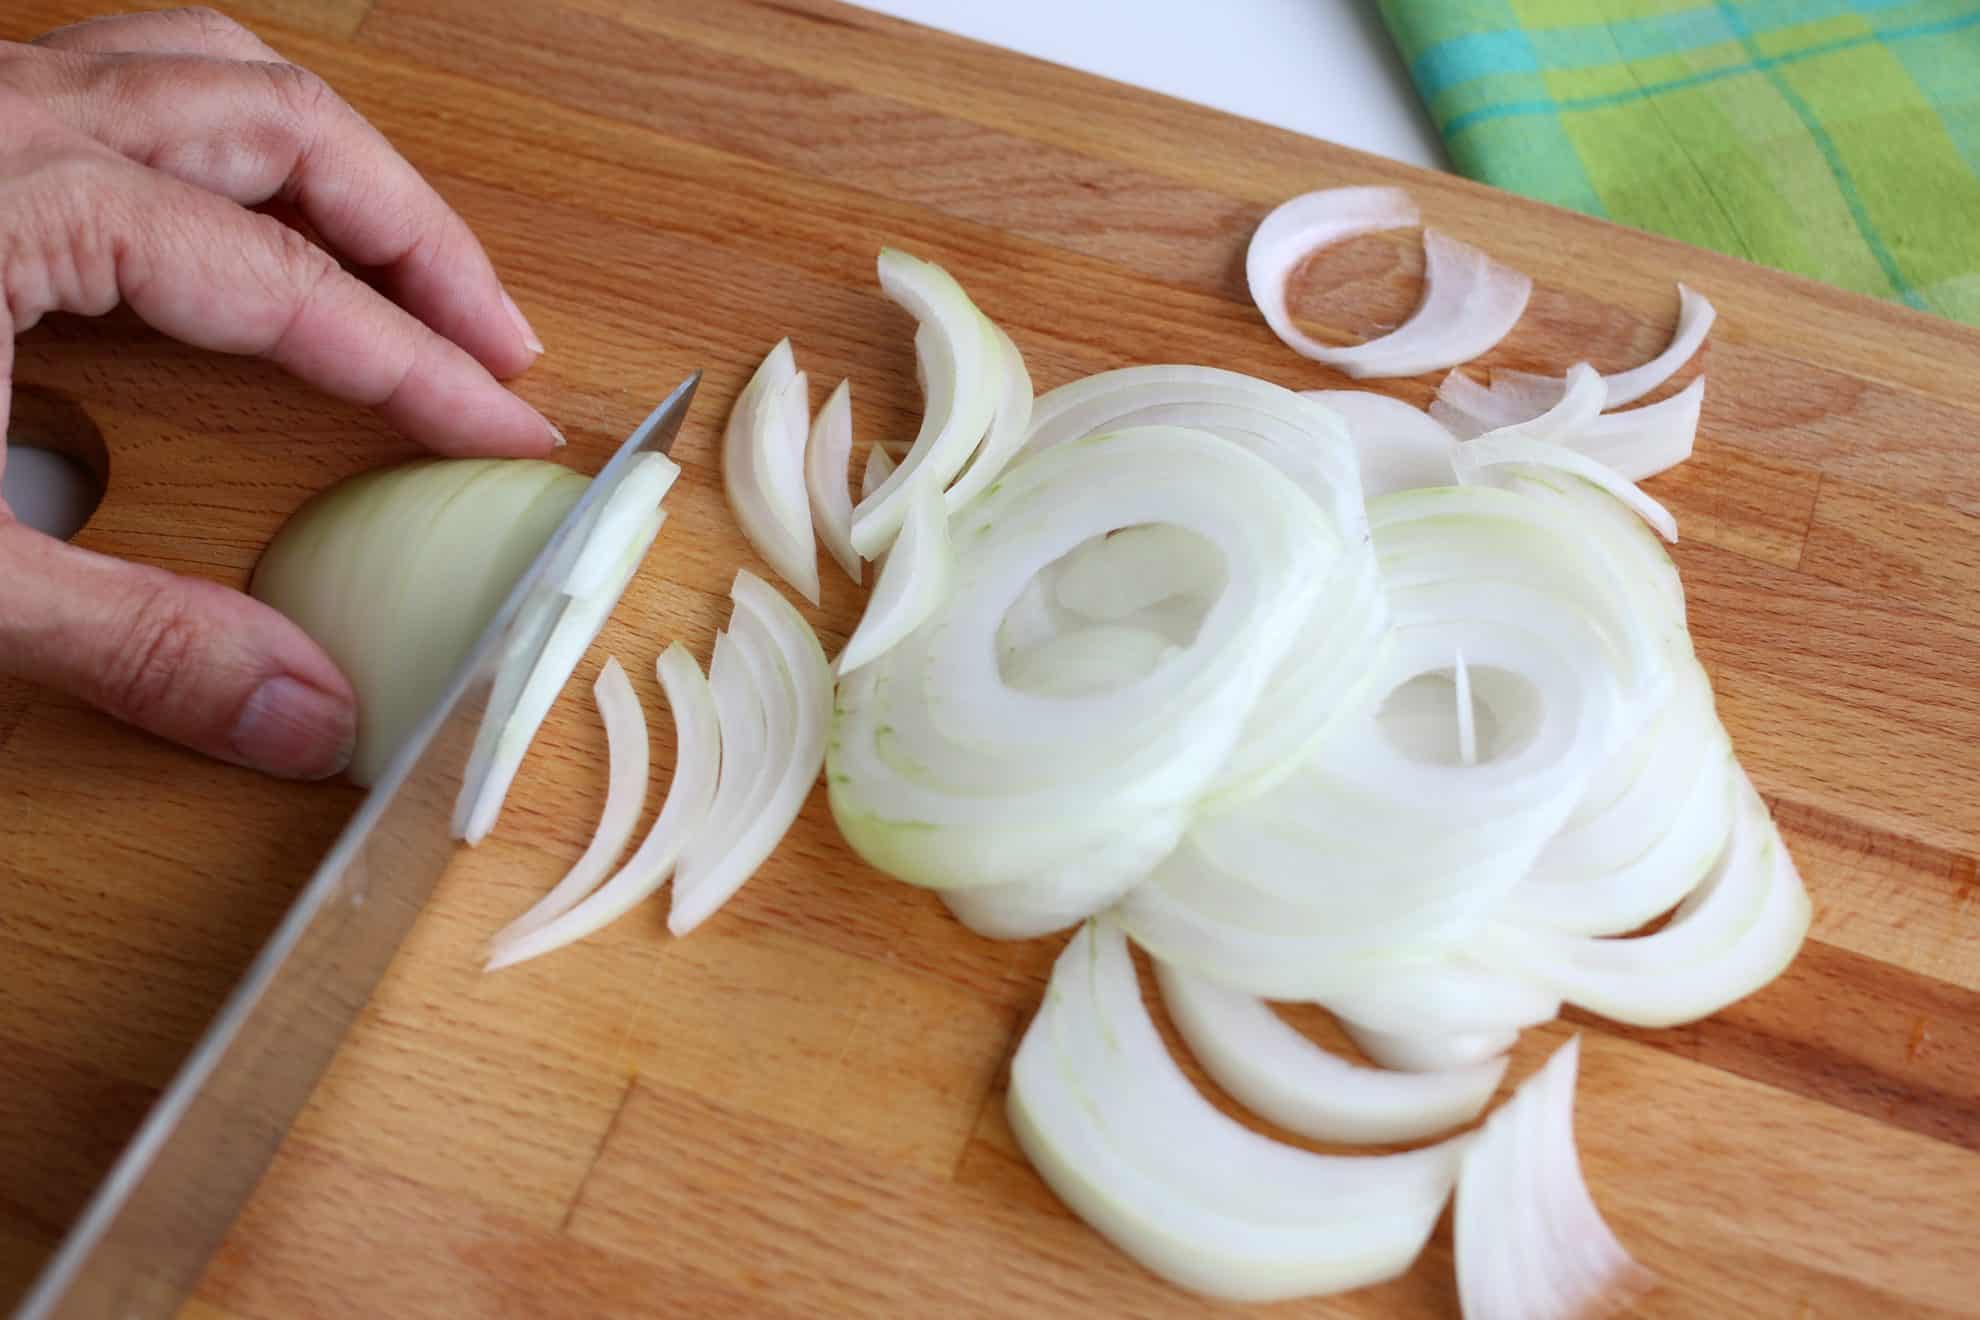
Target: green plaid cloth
<point x="1838" y="139"/>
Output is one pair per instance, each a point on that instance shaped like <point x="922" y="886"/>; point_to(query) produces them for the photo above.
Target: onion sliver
<point x="1638" y="443"/>
<point x="623" y="517"/>
<point x="1279" y="1074"/>
<point x="879" y="465"/>
<point x="1531" y="1244"/>
<point x="1509" y="447"/>
<point x="964" y="370"/>
<point x="1431" y="1052"/>
<point x="763" y="469"/>
<point x="1469" y="302"/>
<point x="1695" y="318"/>
<point x="697" y="761"/>
<point x="828" y="476"/>
<point x="913" y="580"/>
<point x="944" y="774"/>
<point x="1397" y="447"/>
<point x="625" y="794"/>
<point x="794" y="691"/>
<point x="1118" y="1131"/>
<point x="1010" y="424"/>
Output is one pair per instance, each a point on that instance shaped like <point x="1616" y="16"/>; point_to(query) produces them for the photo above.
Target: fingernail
<point x="557" y="438"/>
<point x="296" y="731"/>
<point x="530" y="341"/>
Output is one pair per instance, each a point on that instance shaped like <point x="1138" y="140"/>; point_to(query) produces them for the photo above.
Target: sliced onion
<point x="1010" y="424"/>
<point x="827" y="477"/>
<point x="1641" y="442"/>
<point x="763" y="469"/>
<point x="1452" y="995"/>
<point x="1469" y="303"/>
<point x="964" y="370"/>
<point x="879" y="465"/>
<point x="623" y="517"/>
<point x="793" y="689"/>
<point x="1397" y="447"/>
<point x="625" y="735"/>
<point x="1121" y="1135"/>
<point x="1531" y="1244"/>
<point x="1695" y="318"/>
<point x="1470" y="410"/>
<point x="914" y="579"/>
<point x="1429" y="1051"/>
<point x="1732" y="935"/>
<point x="1114" y="577"/>
<point x="1084" y="661"/>
<point x="697" y="761"/>
<point x="1278" y="1074"/>
<point x="1509" y="447"/>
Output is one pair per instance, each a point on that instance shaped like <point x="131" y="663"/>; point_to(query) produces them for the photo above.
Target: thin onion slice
<point x="914" y="578"/>
<point x="1279" y="1074"/>
<point x="1531" y="1244"/>
<point x="1397" y="447"/>
<point x="1010" y="424"/>
<point x="795" y="696"/>
<point x="1637" y="443"/>
<point x="879" y="466"/>
<point x="625" y="734"/>
<point x="828" y="476"/>
<point x="697" y="761"/>
<point x="1431" y="1052"/>
<point x="964" y="378"/>
<point x="1509" y="447"/>
<point x="1469" y="302"/>
<point x="763" y="469"/>
<point x="646" y="483"/>
<point x="1119" y="1132"/>
<point x="1694" y="322"/>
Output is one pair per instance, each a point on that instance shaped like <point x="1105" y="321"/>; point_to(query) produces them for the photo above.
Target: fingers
<point x="91" y="228"/>
<point x="197" y="31"/>
<point x="185" y="659"/>
<point x="254" y="132"/>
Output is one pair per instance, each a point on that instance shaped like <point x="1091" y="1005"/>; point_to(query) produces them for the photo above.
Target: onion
<point x="964" y="369"/>
<point x="1396" y="447"/>
<point x="697" y="760"/>
<point x="1531" y="1244"/>
<point x="1279" y="1074"/>
<point x="1121" y="1135"/>
<point x="1695" y="318"/>
<point x="1469" y="303"/>
<point x="396" y="573"/>
<point x="1637" y="443"/>
<point x="763" y="469"/>
<point x="1502" y="447"/>
<point x="1430" y="1051"/>
<point x="1010" y="424"/>
<point x="827" y="477"/>
<point x="764" y="780"/>
<point x="913" y="580"/>
<point x="879" y="464"/>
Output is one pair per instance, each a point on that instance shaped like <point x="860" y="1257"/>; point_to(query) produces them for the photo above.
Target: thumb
<point x="186" y="659"/>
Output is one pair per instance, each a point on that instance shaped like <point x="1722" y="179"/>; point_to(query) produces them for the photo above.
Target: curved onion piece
<point x="1510" y="447"/>
<point x="879" y="466"/>
<point x="1638" y="443"/>
<point x="1531" y="1244"/>
<point x="1735" y="933"/>
<point x="946" y="775"/>
<point x="1009" y="424"/>
<point x="1471" y="411"/>
<point x="1427" y="1052"/>
<point x="1117" y="1130"/>
<point x="1279" y="1074"/>
<point x="1454" y="994"/>
<point x="1469" y="303"/>
<point x="625" y="794"/>
<point x="797" y="703"/>
<point x="827" y="477"/>
<point x="1397" y="447"/>
<point x="964" y="371"/>
<point x="1695" y="318"/>
<point x="913" y="580"/>
<point x="646" y="483"/>
<point x="763" y="469"/>
<point x="569" y="639"/>
<point x="697" y="760"/>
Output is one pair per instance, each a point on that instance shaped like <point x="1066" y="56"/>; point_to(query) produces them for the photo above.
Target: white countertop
<point x="1326" y="68"/>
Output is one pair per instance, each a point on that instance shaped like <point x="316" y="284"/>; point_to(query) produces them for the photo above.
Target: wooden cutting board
<point x="798" y="1109"/>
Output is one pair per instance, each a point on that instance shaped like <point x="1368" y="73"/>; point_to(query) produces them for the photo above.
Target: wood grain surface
<point x="797" y="1110"/>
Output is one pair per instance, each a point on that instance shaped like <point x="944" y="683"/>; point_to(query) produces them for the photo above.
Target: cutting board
<point x="798" y="1109"/>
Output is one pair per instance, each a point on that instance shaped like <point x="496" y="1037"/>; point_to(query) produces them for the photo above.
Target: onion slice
<point x="828" y="477"/>
<point x="697" y="761"/>
<point x="913" y="580"/>
<point x="1469" y="302"/>
<point x="793" y="690"/>
<point x="879" y="466"/>
<point x="1397" y="447"/>
<point x="763" y="469"/>
<point x="964" y="378"/>
<point x="1119" y="1132"/>
<point x="1531" y="1244"/>
<point x="1279" y="1074"/>
<point x="1695" y="318"/>
<point x="1010" y="424"/>
<point x="1511" y="447"/>
<point x="1431" y="1052"/>
<point x="625" y="794"/>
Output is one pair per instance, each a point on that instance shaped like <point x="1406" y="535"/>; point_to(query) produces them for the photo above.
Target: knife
<point x="142" y="1241"/>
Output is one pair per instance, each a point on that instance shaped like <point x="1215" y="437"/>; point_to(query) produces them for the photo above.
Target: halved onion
<point x="914" y="578"/>
<point x="827" y="477"/>
<point x="763" y="469"/>
<point x="697" y="761"/>
<point x="1531" y="1244"/>
<point x="1121" y="1135"/>
<point x="1279" y="1074"/>
<point x="762" y="785"/>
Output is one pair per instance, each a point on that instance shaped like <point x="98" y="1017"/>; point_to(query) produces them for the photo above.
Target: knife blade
<point x="167" y="1203"/>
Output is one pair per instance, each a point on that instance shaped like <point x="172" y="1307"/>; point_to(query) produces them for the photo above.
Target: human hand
<point x="130" y="150"/>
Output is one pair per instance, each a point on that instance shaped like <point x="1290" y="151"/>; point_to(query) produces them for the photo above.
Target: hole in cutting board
<point x="57" y="466"/>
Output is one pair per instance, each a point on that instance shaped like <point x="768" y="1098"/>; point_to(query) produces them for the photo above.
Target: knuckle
<point x="301" y="93"/>
<point x="209" y="22"/>
<point x="161" y="639"/>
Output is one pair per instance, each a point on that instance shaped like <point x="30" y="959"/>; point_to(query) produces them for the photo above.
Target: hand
<point x="130" y="150"/>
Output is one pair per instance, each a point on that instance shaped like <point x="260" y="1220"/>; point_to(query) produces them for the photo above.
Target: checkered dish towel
<point x="1838" y="139"/>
